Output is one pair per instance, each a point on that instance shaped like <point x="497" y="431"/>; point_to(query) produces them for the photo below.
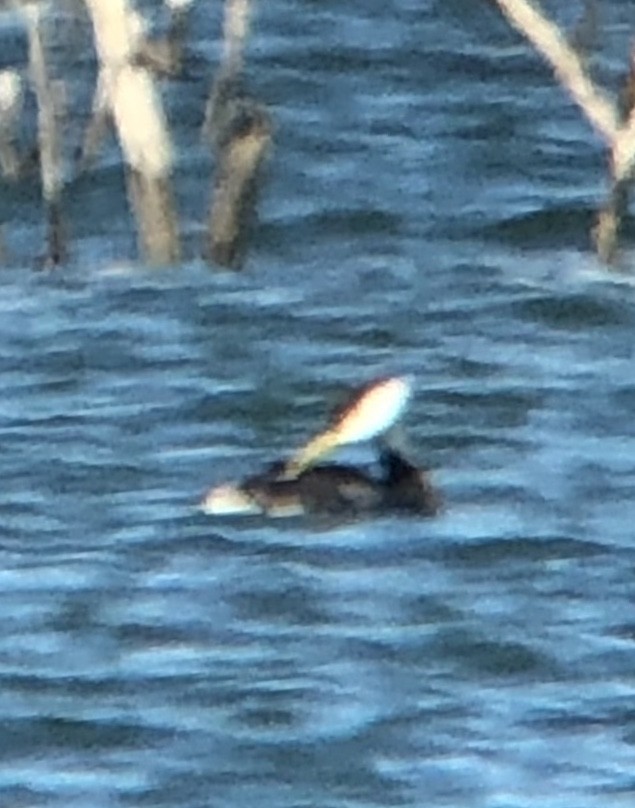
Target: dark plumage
<point x="330" y="489"/>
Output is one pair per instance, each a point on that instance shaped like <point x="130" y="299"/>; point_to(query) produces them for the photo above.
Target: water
<point x="427" y="212"/>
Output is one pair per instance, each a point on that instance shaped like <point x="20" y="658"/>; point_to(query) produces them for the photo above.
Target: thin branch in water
<point x="615" y="125"/>
<point x="569" y="68"/>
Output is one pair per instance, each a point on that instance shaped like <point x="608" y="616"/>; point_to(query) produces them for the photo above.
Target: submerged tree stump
<point x="243" y="143"/>
<point x="240" y="130"/>
<point x="127" y="92"/>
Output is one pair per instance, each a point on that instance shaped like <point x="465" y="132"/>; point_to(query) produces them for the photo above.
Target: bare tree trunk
<point x="132" y="98"/>
<point x="240" y="130"/>
<point x="236" y="191"/>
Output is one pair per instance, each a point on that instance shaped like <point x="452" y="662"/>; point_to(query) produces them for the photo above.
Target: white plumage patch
<point x="375" y="410"/>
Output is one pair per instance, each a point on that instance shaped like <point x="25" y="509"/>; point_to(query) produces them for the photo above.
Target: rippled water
<point x="426" y="212"/>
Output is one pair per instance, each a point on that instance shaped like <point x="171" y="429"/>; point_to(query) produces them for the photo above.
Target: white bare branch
<point x="569" y="68"/>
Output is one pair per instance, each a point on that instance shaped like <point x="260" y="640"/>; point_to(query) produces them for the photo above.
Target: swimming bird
<point x="329" y="490"/>
<point x="300" y="485"/>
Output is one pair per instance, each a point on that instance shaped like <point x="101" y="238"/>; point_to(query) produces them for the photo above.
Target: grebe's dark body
<point x="330" y="489"/>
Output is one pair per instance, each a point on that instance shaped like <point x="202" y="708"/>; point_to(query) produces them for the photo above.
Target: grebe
<point x="330" y="490"/>
<point x="298" y="486"/>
